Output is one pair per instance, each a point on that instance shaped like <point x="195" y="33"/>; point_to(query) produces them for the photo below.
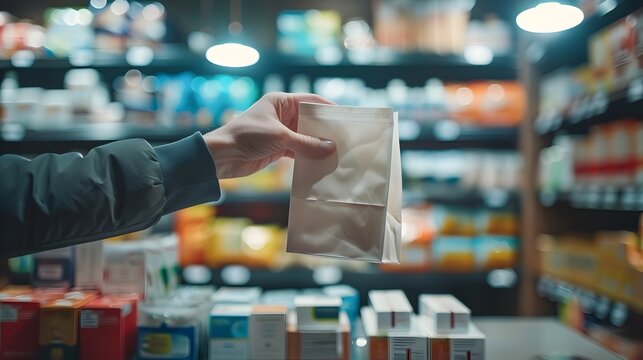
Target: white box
<point x="268" y="332"/>
<point x="237" y="295"/>
<point x="317" y="312"/>
<point x="88" y="260"/>
<point x="450" y="315"/>
<point x="319" y="344"/>
<point x="395" y="344"/>
<point x="469" y="345"/>
<point x="392" y="308"/>
<point x="124" y="267"/>
<point x="229" y="331"/>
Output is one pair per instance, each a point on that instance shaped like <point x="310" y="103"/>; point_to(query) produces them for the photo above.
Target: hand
<point x="264" y="133"/>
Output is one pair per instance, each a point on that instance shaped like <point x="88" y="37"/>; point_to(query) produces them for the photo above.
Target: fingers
<point x="309" y="146"/>
<point x="287" y="106"/>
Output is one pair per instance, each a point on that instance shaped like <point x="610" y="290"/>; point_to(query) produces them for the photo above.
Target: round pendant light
<point x="232" y="55"/>
<point x="549" y="17"/>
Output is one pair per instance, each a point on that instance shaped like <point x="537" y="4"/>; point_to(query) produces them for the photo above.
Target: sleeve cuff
<point x="189" y="175"/>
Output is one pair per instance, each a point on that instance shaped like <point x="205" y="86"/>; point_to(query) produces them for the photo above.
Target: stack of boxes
<point x="318" y="329"/>
<point x="447" y="323"/>
<point x="442" y="331"/>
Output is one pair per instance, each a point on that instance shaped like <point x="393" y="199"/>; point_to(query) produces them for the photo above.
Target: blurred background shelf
<point x="18" y="138"/>
<point x="595" y="110"/>
<point x="499" y="286"/>
<point x="453" y="194"/>
<point x="608" y="199"/>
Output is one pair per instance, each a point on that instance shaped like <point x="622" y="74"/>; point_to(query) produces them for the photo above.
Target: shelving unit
<point x="585" y="209"/>
<point x="414" y="68"/>
<point x="17" y="138"/>
<point x="466" y="286"/>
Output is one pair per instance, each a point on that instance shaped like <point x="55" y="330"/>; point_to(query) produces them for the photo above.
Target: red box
<point x="108" y="328"/>
<point x="20" y="324"/>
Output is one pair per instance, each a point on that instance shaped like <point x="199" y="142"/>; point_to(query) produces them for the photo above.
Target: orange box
<point x="109" y="324"/>
<point x="19" y="324"/>
<point x="58" y="338"/>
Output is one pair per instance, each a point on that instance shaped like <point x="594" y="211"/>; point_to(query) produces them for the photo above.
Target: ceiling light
<point x="232" y="55"/>
<point x="549" y="17"/>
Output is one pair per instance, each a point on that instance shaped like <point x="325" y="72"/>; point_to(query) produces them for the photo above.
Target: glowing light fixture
<point x="233" y="53"/>
<point x="549" y="17"/>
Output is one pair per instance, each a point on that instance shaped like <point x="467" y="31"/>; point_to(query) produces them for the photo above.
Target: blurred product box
<point x="237" y="295"/>
<point x="349" y="296"/>
<point x="308" y="32"/>
<point x="229" y="328"/>
<point x="59" y="326"/>
<point x="193" y="226"/>
<point x="20" y="323"/>
<point x="317" y="312"/>
<point x="627" y="345"/>
<point x="468" y="345"/>
<point x="54" y="268"/>
<point x="285" y="297"/>
<point x="88" y="260"/>
<point x="453" y="253"/>
<point x="495" y="252"/>
<point x="610" y="263"/>
<point x="411" y="344"/>
<point x="124" y="267"/>
<point x="168" y="332"/>
<point x="108" y="328"/>
<point x="392" y="308"/>
<point x="147" y="267"/>
<point x="447" y="313"/>
<point x="267" y="332"/>
<point x="14" y="290"/>
<point x="318" y="344"/>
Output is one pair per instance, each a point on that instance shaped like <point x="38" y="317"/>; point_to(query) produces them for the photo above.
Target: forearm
<point x="60" y="200"/>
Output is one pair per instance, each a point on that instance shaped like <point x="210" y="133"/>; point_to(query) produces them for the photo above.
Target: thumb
<point x="309" y="146"/>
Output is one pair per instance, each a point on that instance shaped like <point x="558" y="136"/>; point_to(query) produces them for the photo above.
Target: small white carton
<point x="450" y="315"/>
<point x="268" y="332"/>
<point x="392" y="308"/>
<point x="229" y="331"/>
<point x="88" y="265"/>
<point x="317" y="312"/>
<point x="412" y="344"/>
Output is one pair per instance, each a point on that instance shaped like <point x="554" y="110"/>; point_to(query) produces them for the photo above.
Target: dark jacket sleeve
<point x="54" y="200"/>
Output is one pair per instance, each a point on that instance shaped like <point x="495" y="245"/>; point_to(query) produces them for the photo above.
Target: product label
<point x="88" y="319"/>
<point x="8" y="313"/>
<point x="320" y="346"/>
<point x="177" y="343"/>
<point x="407" y="348"/>
<point x="467" y="349"/>
<point x="268" y="337"/>
<point x="228" y="348"/>
<point x="51" y="272"/>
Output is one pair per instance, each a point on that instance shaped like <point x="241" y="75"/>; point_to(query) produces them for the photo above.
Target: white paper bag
<point x="348" y="205"/>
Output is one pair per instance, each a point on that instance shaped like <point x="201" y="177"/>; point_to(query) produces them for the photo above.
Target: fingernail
<point x="328" y="145"/>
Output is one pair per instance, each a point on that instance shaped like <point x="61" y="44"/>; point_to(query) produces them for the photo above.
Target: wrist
<point x="221" y="146"/>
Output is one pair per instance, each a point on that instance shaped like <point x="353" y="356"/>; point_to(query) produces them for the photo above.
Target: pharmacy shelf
<point x="595" y="110"/>
<point x="601" y="303"/>
<point x="569" y="48"/>
<point x="15" y="138"/>
<point x="468" y="287"/>
<point x="608" y="199"/>
<point x="452" y="194"/>
<point x="176" y="57"/>
<point x="453" y="136"/>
